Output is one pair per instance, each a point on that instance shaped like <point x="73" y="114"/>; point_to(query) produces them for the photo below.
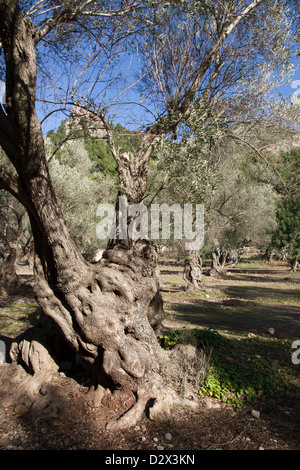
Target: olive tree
<point x="80" y="188"/>
<point x="286" y="236"/>
<point x="12" y="240"/>
<point x="241" y="212"/>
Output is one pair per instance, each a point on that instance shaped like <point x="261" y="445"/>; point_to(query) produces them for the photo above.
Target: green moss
<point x="15" y="317"/>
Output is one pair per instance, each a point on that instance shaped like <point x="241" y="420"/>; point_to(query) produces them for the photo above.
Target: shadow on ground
<point x="242" y="307"/>
<point x="240" y="316"/>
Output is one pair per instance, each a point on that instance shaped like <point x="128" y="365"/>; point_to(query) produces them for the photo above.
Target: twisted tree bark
<point x="9" y="280"/>
<point x="219" y="262"/>
<point x="106" y="312"/>
<point x="295" y="264"/>
<point x="192" y="273"/>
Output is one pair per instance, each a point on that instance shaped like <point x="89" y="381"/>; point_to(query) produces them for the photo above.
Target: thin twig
<point x="228" y="442"/>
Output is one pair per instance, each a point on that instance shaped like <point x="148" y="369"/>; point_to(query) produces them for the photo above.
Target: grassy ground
<point x="231" y="321"/>
<point x="17" y="316"/>
<point x="254" y="297"/>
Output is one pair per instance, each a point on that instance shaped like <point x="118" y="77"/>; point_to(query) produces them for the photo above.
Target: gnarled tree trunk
<point x="106" y="312"/>
<point x="9" y="279"/>
<point x="219" y="262"/>
<point x="8" y="270"/>
<point x="192" y="273"/>
<point x="295" y="264"/>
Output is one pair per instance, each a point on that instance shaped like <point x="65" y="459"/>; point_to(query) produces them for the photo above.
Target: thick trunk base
<point x="295" y="264"/>
<point x="33" y="380"/>
<point x="220" y="263"/>
<point x="106" y="315"/>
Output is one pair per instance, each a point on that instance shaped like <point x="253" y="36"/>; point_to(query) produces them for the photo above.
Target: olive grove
<point x="192" y="55"/>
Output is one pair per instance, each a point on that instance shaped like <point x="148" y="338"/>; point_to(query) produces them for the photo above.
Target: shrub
<point x="222" y="369"/>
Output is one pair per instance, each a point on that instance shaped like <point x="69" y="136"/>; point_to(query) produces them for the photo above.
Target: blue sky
<point x="291" y="89"/>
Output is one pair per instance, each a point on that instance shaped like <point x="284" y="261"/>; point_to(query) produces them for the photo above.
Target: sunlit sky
<point x="291" y="89"/>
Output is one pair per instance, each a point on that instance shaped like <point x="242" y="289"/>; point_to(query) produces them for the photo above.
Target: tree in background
<point x="15" y="236"/>
<point x="80" y="187"/>
<point x="286" y="238"/>
<point x="241" y="212"/>
<point x="13" y="240"/>
<point x="94" y="138"/>
<point x="237" y="191"/>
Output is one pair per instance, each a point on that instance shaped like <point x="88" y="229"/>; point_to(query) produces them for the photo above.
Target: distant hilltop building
<point x="89" y="122"/>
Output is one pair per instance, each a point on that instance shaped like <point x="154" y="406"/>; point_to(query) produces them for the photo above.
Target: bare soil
<point x="211" y="426"/>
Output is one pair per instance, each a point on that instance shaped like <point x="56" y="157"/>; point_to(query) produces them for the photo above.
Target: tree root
<point x="160" y="410"/>
<point x="45" y="398"/>
<point x="157" y="400"/>
<point x="131" y="416"/>
<point x="32" y="366"/>
<point x="146" y="391"/>
<point x="49" y="404"/>
<point x="17" y="387"/>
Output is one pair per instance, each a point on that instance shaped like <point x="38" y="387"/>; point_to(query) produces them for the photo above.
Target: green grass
<point x="15" y="317"/>
<point x="242" y="370"/>
<point x="240" y="302"/>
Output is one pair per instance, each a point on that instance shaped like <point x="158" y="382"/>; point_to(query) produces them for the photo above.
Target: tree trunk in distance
<point x="192" y="273"/>
<point x="9" y="280"/>
<point x="295" y="264"/>
<point x="219" y="259"/>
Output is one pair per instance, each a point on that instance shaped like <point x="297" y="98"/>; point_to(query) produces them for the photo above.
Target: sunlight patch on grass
<point x="16" y="317"/>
